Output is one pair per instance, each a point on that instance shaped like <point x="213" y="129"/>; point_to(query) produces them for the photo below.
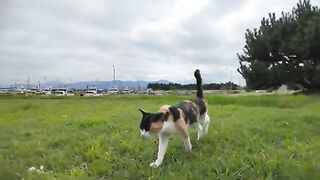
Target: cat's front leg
<point x="163" y="144"/>
<point x="187" y="144"/>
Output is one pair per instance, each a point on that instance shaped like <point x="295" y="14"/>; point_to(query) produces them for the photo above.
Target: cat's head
<point x="151" y="123"/>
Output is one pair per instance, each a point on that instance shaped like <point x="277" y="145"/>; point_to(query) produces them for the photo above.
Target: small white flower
<point x="31" y="169"/>
<point x="41" y="168"/>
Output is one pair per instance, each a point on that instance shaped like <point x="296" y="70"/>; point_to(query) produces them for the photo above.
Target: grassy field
<point x="250" y="137"/>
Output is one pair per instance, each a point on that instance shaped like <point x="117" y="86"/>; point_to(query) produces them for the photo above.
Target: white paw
<point x="189" y="148"/>
<point x="200" y="136"/>
<point x="187" y="144"/>
<point x="155" y="164"/>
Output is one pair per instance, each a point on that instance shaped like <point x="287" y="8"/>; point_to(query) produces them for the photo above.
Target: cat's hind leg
<point x="203" y="125"/>
<point x="183" y="131"/>
<point x="205" y="122"/>
<point x="200" y="130"/>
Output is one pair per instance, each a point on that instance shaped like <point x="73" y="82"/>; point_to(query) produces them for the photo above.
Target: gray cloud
<point x="145" y="39"/>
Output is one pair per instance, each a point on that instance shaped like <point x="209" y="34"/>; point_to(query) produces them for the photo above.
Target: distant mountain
<point x="162" y="81"/>
<point x="140" y="84"/>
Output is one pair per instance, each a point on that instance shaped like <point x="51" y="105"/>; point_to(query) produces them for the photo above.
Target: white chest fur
<point x="169" y="128"/>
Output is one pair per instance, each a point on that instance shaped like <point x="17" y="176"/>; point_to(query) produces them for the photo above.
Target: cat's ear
<point x="142" y="111"/>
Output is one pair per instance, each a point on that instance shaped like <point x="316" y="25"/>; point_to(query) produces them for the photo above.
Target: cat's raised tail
<point x="197" y="75"/>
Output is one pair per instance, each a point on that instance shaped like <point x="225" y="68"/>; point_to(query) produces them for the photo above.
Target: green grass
<point x="250" y="137"/>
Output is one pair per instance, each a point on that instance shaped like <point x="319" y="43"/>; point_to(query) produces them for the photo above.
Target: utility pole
<point x="114" y="76"/>
<point x="70" y="81"/>
<point x="28" y="82"/>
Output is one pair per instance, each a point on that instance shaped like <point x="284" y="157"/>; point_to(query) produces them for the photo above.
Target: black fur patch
<point x="190" y="111"/>
<point x="201" y="105"/>
<point x="145" y="122"/>
<point x="175" y="113"/>
<point x="165" y="117"/>
<point x="148" y="118"/>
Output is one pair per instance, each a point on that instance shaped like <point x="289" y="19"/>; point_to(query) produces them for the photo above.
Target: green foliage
<point x="250" y="137"/>
<point x="284" y="50"/>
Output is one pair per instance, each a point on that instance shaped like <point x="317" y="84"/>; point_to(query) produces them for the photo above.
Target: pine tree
<point x="284" y="50"/>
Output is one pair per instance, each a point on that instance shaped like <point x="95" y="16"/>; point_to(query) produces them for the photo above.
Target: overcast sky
<point x="145" y="39"/>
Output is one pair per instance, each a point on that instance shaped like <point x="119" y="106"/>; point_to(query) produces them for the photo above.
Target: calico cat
<point x="176" y="120"/>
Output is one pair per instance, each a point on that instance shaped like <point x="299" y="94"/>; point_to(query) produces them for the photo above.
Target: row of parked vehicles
<point x="91" y="91"/>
